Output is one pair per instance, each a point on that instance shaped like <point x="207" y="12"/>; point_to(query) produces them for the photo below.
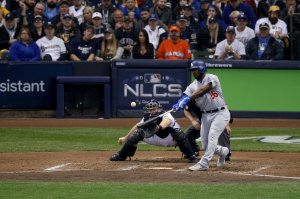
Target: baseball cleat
<point x="194" y="159"/>
<point x="221" y="161"/>
<point x="117" y="157"/>
<point x="198" y="167"/>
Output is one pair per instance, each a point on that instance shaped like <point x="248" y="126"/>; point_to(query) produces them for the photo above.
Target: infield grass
<point x="63" y="190"/>
<point x="103" y="139"/>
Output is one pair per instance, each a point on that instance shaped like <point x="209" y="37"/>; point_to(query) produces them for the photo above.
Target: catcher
<point x="164" y="131"/>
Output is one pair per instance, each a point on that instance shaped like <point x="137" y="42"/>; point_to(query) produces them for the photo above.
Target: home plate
<point x="159" y="168"/>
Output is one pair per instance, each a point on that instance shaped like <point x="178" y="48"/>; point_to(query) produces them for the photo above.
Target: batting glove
<point x="182" y="103"/>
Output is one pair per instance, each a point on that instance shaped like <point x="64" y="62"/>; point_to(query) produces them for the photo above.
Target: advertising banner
<point x="30" y="85"/>
<point x="139" y="83"/>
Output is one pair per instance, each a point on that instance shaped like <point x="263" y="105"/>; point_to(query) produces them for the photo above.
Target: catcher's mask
<point x="152" y="108"/>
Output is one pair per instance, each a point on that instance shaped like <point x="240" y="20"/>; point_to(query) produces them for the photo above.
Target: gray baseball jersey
<point x="212" y="100"/>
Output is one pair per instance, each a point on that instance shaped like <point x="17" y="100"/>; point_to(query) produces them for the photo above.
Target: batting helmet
<point x="200" y="65"/>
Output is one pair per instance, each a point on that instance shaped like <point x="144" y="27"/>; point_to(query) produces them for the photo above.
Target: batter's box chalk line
<point x="61" y="166"/>
<point x="255" y="173"/>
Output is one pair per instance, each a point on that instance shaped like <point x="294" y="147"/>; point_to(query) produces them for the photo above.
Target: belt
<point x="214" y="111"/>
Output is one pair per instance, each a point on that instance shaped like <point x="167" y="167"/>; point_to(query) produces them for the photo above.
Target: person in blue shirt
<point x="24" y="49"/>
<point x="242" y="7"/>
<point x="84" y="49"/>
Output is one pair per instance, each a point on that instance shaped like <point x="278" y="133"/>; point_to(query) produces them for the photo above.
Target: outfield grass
<point x="45" y="190"/>
<point x="102" y="139"/>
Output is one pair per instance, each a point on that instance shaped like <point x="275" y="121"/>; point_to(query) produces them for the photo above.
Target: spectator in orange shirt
<point x="174" y="48"/>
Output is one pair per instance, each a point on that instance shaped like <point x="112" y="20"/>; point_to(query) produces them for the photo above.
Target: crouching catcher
<point x="164" y="131"/>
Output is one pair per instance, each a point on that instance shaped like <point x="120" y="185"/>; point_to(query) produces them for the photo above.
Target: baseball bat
<point x="153" y="119"/>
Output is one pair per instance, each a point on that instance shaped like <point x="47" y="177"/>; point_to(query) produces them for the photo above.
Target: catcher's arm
<point x="166" y="122"/>
<point x="121" y="140"/>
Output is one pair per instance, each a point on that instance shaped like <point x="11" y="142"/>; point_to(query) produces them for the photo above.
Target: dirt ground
<point x="155" y="166"/>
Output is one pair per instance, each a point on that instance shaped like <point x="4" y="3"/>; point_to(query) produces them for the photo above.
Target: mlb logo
<point x="152" y="78"/>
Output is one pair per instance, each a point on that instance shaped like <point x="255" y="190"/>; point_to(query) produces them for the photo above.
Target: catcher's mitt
<point x="149" y="130"/>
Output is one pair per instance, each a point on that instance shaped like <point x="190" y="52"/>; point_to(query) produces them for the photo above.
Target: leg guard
<point x="192" y="135"/>
<point x="129" y="148"/>
<point x="183" y="144"/>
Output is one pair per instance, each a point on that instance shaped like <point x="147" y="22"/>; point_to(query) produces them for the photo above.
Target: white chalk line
<point x="260" y="175"/>
<point x="57" y="167"/>
<point x="255" y="173"/>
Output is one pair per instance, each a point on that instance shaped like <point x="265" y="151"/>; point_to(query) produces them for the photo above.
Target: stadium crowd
<point x="34" y="30"/>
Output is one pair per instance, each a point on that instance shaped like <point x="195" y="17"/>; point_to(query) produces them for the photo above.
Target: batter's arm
<point x="201" y="91"/>
<point x="125" y="138"/>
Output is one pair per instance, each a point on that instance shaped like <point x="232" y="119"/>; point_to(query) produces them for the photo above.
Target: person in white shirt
<point x="154" y="31"/>
<point x="230" y="48"/>
<point x="77" y="10"/>
<point x="278" y="28"/>
<point x="242" y="31"/>
<point x="52" y="47"/>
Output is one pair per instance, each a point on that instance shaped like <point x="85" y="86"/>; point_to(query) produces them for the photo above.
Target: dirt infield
<point x="167" y="166"/>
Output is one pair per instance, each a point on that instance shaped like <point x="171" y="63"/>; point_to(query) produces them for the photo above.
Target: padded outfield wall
<point x="252" y="88"/>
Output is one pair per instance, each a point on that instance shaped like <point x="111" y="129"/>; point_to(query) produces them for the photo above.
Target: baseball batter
<point x="167" y="133"/>
<point x="207" y="93"/>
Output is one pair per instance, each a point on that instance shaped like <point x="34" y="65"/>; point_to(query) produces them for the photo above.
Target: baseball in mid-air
<point x="133" y="104"/>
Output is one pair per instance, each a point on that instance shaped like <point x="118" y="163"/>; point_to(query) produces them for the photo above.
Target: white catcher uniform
<point x="167" y="141"/>
<point x="215" y="115"/>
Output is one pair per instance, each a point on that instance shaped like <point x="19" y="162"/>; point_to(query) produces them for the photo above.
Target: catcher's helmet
<point x="200" y="65"/>
<point x="152" y="105"/>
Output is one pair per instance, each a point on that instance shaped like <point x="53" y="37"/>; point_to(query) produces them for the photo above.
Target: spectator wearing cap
<point x="155" y="32"/>
<point x="264" y="46"/>
<point x="186" y="32"/>
<point x="52" y="48"/>
<point x="110" y="48"/>
<point x="278" y="28"/>
<point x="127" y="36"/>
<point x="209" y="36"/>
<point x="106" y="8"/>
<point x="84" y="49"/>
<point x="87" y="18"/>
<point x="242" y="7"/>
<point x="162" y="12"/>
<point x="131" y="10"/>
<point x="99" y="29"/>
<point x="51" y="10"/>
<point x="37" y="29"/>
<point x="264" y="6"/>
<point x="230" y="48"/>
<point x="212" y="13"/>
<point x="64" y="8"/>
<point x="24" y="49"/>
<point x="242" y="31"/>
<point x="68" y="31"/>
<point x="174" y="48"/>
<point x="144" y="19"/>
<point x="77" y="10"/>
<point x="143" y="48"/>
<point x="9" y="31"/>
